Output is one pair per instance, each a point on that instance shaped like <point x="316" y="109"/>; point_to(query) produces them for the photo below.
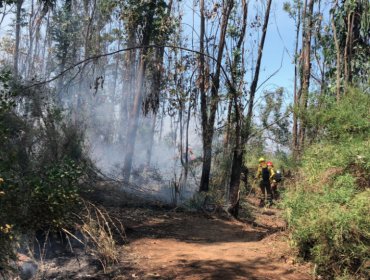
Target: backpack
<point x="265" y="174"/>
<point x="278" y="176"/>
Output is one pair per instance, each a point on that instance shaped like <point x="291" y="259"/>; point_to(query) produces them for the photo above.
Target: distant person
<point x="263" y="175"/>
<point x="278" y="178"/>
<point x="273" y="180"/>
<point x="191" y="155"/>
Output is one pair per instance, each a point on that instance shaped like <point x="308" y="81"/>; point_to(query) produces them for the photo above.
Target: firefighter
<point x="273" y="181"/>
<point x="264" y="175"/>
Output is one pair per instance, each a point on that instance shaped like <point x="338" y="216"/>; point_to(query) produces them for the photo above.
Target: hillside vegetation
<point x="327" y="207"/>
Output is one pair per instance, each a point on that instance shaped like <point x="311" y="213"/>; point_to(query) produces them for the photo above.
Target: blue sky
<point x="278" y="48"/>
<point x="275" y="46"/>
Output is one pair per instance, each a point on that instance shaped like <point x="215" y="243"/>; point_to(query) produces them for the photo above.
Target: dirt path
<point x="172" y="245"/>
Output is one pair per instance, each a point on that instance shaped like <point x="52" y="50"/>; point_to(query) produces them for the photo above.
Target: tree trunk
<point x="234" y="73"/>
<point x="208" y="120"/>
<point x="134" y="118"/>
<point x="186" y="169"/>
<point x="46" y="45"/>
<point x="203" y="101"/>
<point x="227" y="136"/>
<point x="306" y="71"/>
<point x="338" y="62"/>
<point x="347" y="49"/>
<point x="159" y="56"/>
<point x="238" y="153"/>
<point x="17" y="35"/>
<point x="65" y="48"/>
<point x="129" y="77"/>
<point x="350" y="50"/>
<point x="296" y="100"/>
<point x="28" y="65"/>
<point x="138" y="98"/>
<point x="151" y="140"/>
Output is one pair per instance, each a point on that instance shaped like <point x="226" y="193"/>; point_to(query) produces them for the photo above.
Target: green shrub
<point x="328" y="208"/>
<point x="55" y="196"/>
<point x="42" y="163"/>
<point x="334" y="121"/>
<point x="7" y="250"/>
<point x="334" y="234"/>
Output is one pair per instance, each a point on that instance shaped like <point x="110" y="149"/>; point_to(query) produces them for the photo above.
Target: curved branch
<point x="129" y="49"/>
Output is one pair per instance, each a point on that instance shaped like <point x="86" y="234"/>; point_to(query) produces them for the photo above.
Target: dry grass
<point x="100" y="233"/>
<point x="362" y="176"/>
<point x="328" y="175"/>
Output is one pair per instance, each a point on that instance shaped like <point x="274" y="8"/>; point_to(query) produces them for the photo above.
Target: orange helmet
<point x="269" y="163"/>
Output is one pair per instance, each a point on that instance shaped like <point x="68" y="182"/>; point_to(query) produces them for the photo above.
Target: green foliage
<point x="138" y="13"/>
<point x="45" y="200"/>
<point x="293" y="9"/>
<point x="275" y="118"/>
<point x="41" y="165"/>
<point x="328" y="210"/>
<point x="6" y="233"/>
<point x="6" y="246"/>
<point x="55" y="196"/>
<point x="347" y="119"/>
<point x="331" y="228"/>
<point x="65" y="30"/>
<point x="322" y="157"/>
<point x="255" y="149"/>
<point x="359" y="62"/>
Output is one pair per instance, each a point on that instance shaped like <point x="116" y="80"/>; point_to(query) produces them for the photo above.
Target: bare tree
<point x="138" y="97"/>
<point x="238" y="153"/>
<point x="18" y="25"/>
<point x="338" y="62"/>
<point x="208" y="119"/>
<point x="306" y="69"/>
<point x="296" y="72"/>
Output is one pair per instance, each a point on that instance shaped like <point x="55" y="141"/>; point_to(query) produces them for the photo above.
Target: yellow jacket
<point x="272" y="174"/>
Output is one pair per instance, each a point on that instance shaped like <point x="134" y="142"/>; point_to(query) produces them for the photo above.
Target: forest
<point x="184" y="139"/>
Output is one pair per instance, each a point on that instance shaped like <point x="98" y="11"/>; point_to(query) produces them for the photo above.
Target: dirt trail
<point x="172" y="245"/>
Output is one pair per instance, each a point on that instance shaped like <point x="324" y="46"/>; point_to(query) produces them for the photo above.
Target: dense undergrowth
<point x="44" y="175"/>
<point x="328" y="208"/>
<point x="41" y="165"/>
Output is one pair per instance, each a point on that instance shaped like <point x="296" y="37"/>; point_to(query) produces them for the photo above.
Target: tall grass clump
<point x="328" y="209"/>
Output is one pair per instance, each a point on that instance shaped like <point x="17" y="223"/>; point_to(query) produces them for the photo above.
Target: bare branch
<point x="95" y="57"/>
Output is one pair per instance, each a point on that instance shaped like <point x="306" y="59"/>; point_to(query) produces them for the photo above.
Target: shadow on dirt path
<point x="172" y="244"/>
<point x="177" y="245"/>
<point x="192" y="228"/>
